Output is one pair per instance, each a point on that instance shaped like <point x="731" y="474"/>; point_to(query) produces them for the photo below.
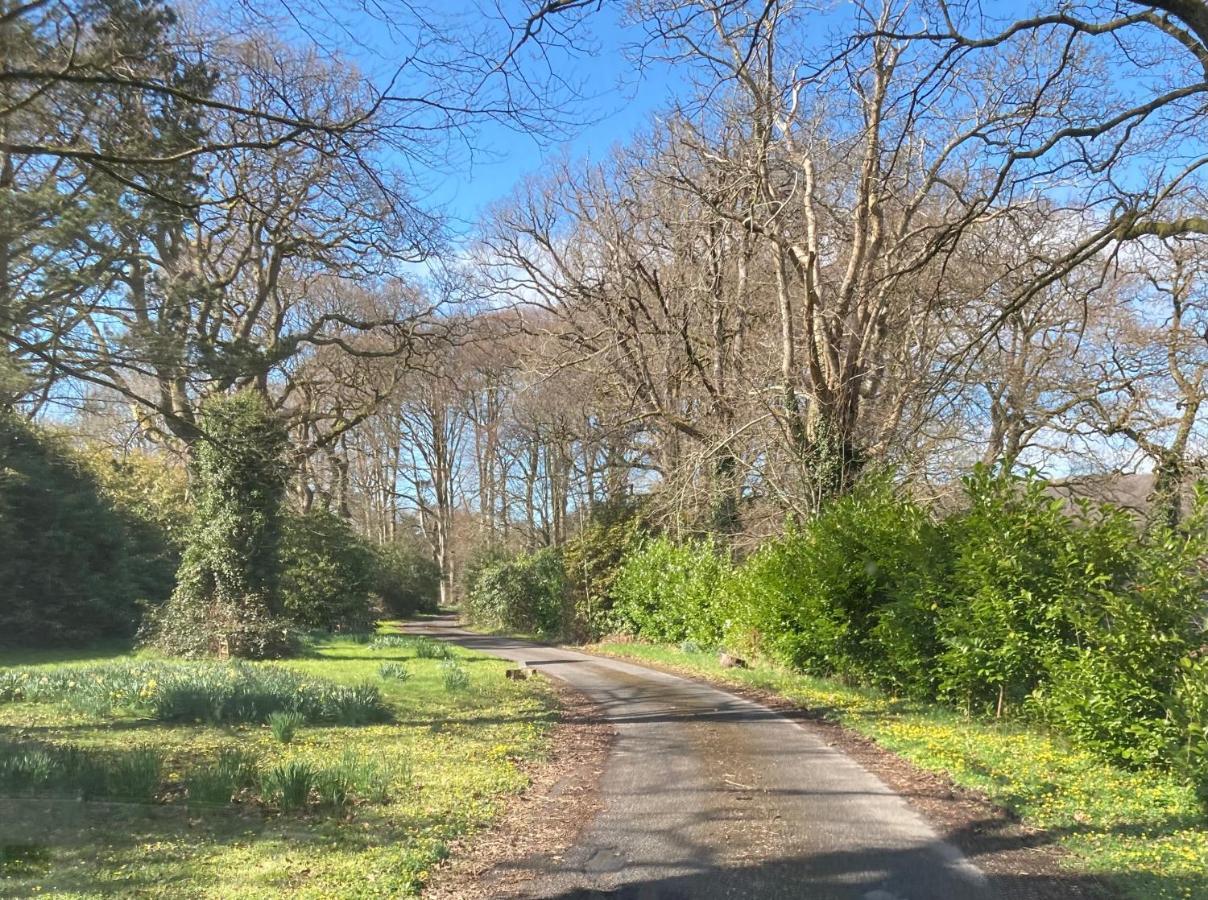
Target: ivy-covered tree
<point x="227" y="600"/>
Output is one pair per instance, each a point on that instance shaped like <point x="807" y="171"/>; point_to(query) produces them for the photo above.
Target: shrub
<point x="74" y="566"/>
<point x="673" y="592"/>
<point x="591" y="560"/>
<point x="327" y="573"/>
<point x="526" y="593"/>
<point x="227" y="600"/>
<point x="1189" y="711"/>
<point x="406" y="580"/>
<point x="284" y="725"/>
<point x="846" y="594"/>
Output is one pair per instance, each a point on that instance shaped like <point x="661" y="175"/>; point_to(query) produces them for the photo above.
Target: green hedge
<point x="75" y="565"/>
<point x="1020" y="605"/>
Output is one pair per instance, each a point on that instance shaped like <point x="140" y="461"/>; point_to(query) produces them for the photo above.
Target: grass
<point x="201" y="807"/>
<point x="1143" y="832"/>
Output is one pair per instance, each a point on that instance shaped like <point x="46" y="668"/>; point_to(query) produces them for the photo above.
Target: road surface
<point x="707" y="795"/>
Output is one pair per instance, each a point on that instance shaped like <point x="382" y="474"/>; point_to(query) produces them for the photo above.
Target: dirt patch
<point x="1022" y="861"/>
<point x="541" y="823"/>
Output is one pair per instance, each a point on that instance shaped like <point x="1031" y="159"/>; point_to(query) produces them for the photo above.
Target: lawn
<point x="119" y="776"/>
<point x="1144" y="832"/>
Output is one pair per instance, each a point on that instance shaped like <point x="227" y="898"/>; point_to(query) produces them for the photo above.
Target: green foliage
<point x="1018" y="605"/>
<point x="327" y="573"/>
<point x="591" y="560"/>
<point x="219" y="693"/>
<point x="393" y="671"/>
<point x="288" y="785"/>
<point x="406" y="579"/>
<point x="526" y="593"/>
<point x="30" y="768"/>
<point x="672" y="592"/>
<point x="285" y="724"/>
<point x="455" y="678"/>
<point x="1190" y="716"/>
<point x="234" y="770"/>
<point x="841" y="594"/>
<point x="75" y="566"/>
<point x="227" y="599"/>
<point x="427" y="648"/>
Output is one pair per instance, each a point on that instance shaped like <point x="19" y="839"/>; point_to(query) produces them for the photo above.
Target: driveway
<point x="708" y="795"/>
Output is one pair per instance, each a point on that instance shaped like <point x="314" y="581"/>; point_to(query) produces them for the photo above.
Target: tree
<point x="227" y="600"/>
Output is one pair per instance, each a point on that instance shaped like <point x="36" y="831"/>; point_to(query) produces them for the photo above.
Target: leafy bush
<point x="75" y="567"/>
<point x="1019" y="604"/>
<point x="327" y="573"/>
<point x="406" y="579"/>
<point x="591" y="560"/>
<point x="673" y="593"/>
<point x="840" y="596"/>
<point x="1190" y="714"/>
<point x="526" y="593"/>
<point x="227" y="598"/>
<point x="215" y="692"/>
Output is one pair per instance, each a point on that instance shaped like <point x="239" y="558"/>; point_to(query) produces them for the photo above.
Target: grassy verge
<point x="1142" y="831"/>
<point x="119" y="801"/>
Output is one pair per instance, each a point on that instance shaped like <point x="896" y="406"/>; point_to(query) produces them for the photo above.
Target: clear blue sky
<point x="618" y="101"/>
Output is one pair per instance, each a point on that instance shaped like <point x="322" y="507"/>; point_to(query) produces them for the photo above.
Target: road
<point x="707" y="795"/>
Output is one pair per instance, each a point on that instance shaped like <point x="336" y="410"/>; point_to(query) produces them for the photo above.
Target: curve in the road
<point x="707" y="795"/>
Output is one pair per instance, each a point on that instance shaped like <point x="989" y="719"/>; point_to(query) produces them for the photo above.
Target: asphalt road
<point x="707" y="795"/>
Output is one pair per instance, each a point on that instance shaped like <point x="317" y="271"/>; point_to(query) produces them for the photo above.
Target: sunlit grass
<point x="386" y="801"/>
<point x="1142" y="831"/>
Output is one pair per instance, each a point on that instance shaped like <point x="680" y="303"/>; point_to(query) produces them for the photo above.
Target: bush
<point x="1020" y="604"/>
<point x="526" y="593"/>
<point x="1189" y="711"/>
<point x="227" y="600"/>
<point x="74" y="566"/>
<point x="591" y="560"/>
<point x="842" y="595"/>
<point x="406" y="580"/>
<point x="327" y="573"/>
<point x="673" y="593"/>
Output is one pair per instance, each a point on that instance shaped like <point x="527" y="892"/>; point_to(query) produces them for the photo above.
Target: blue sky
<point x="617" y="100"/>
